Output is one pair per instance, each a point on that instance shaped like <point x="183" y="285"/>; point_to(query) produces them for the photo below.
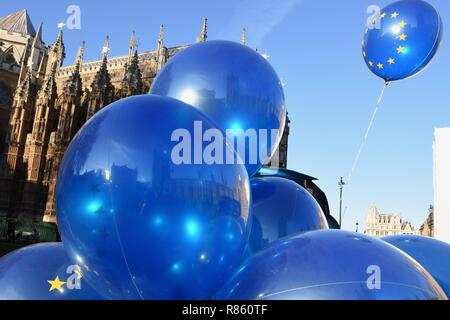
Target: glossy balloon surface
<point x="331" y="265"/>
<point x="303" y="180"/>
<point x="141" y="226"/>
<point x="280" y="208"/>
<point x="403" y="39"/>
<point x="432" y="254"/>
<point x="26" y="272"/>
<point x="233" y="85"/>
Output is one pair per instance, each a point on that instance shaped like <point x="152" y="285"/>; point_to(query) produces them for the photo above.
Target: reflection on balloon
<point x="331" y="265"/>
<point x="140" y="226"/>
<point x="303" y="180"/>
<point x="432" y="254"/>
<point x="237" y="88"/>
<point x="42" y="272"/>
<point x="280" y="208"/>
<point x="403" y="39"/>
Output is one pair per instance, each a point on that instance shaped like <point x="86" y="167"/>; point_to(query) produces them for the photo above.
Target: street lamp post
<point x="341" y="184"/>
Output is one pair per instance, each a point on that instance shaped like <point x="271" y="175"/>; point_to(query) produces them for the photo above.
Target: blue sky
<point x="315" y="46"/>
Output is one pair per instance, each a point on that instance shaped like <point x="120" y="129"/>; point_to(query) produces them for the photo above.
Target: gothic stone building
<point x="43" y="104"/>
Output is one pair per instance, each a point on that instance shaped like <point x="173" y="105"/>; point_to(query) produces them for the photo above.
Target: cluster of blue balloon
<point x="149" y="206"/>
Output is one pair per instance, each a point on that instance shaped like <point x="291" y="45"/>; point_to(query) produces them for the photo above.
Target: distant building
<point x="441" y="168"/>
<point x="427" y="228"/>
<point x="381" y="225"/>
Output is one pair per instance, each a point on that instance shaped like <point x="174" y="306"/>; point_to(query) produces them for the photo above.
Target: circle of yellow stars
<point x="402" y="37"/>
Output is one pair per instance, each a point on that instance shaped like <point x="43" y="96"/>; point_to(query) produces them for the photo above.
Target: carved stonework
<point x="132" y="80"/>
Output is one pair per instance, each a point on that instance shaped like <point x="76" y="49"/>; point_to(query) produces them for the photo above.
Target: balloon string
<point x="366" y="135"/>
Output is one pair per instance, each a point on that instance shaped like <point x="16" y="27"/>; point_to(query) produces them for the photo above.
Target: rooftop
<point x="18" y="22"/>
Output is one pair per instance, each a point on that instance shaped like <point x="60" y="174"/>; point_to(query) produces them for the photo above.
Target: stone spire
<point x="58" y="47"/>
<point x="25" y="87"/>
<point x="105" y="49"/>
<point x="162" y="52"/>
<point x="37" y="42"/>
<point x="204" y="33"/>
<point x="32" y="55"/>
<point x="243" y="34"/>
<point x="38" y="37"/>
<point x="132" y="47"/>
<point x="73" y="88"/>
<point x="102" y="79"/>
<point x="160" y="38"/>
<point x="102" y="91"/>
<point x="79" y="58"/>
<point x="56" y="55"/>
<point x="48" y="89"/>
<point x="132" y="80"/>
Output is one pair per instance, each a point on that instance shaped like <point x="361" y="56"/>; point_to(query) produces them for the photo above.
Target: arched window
<point x="5" y="96"/>
<point x="9" y="58"/>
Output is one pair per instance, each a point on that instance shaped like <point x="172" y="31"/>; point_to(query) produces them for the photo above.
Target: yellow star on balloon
<point x="56" y="284"/>
<point x="402" y="24"/>
<point x="380" y="66"/>
<point x="394" y="15"/>
<point x="400" y="49"/>
<point x="383" y="15"/>
<point x="402" y="37"/>
<point x="371" y="63"/>
<point x="391" y="60"/>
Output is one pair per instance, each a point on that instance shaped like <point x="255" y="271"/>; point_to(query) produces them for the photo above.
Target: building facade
<point x="43" y="104"/>
<point x="381" y="225"/>
<point x="427" y="228"/>
<point x="441" y="172"/>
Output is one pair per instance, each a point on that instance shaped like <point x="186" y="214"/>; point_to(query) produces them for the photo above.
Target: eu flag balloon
<point x="402" y="39"/>
<point x="42" y="272"/>
<point x="237" y="88"/>
<point x="280" y="208"/>
<point x="331" y="265"/>
<point x="432" y="254"/>
<point x="143" y="210"/>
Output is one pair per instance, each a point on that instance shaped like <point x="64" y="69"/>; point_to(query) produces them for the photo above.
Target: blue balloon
<point x="331" y="265"/>
<point x="280" y="208"/>
<point x="403" y="39"/>
<point x="141" y="225"/>
<point x="42" y="272"/>
<point x="237" y="88"/>
<point x="432" y="254"/>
